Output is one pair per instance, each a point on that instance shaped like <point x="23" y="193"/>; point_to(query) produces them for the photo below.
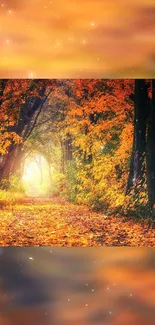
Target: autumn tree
<point x="21" y="105"/>
<point x="142" y="165"/>
<point x="99" y="118"/>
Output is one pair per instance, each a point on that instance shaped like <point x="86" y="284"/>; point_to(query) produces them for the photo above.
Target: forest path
<point x="55" y="222"/>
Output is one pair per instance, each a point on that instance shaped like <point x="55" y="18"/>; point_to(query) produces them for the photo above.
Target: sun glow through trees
<point x="36" y="178"/>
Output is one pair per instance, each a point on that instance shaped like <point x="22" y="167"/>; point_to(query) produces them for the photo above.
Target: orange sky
<point x="77" y="38"/>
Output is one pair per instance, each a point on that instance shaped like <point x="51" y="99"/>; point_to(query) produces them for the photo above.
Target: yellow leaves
<point x="55" y="222"/>
<point x="126" y="139"/>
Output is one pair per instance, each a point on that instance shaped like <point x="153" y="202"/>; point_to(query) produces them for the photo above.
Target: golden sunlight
<point x="36" y="176"/>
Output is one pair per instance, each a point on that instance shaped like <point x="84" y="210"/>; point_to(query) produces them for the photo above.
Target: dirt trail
<point x="54" y="222"/>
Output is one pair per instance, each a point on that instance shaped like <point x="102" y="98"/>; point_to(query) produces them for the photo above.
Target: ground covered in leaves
<point x="54" y="222"/>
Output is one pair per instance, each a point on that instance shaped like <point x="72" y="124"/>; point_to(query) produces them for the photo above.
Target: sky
<point x="77" y="39"/>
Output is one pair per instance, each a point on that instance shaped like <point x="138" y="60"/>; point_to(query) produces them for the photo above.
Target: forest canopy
<point x="97" y="137"/>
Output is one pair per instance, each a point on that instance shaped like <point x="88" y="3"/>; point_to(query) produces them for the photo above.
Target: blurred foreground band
<point x="43" y="286"/>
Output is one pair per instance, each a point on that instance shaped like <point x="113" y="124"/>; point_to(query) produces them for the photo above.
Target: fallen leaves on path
<point x="54" y="222"/>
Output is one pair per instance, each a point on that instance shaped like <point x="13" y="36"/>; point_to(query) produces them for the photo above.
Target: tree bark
<point x="68" y="149"/>
<point x="151" y="152"/>
<point x="136" y="172"/>
<point x="66" y="146"/>
<point x="12" y="163"/>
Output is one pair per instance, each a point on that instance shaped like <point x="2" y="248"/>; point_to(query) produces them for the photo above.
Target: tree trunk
<point x="7" y="166"/>
<point x="151" y="152"/>
<point x="136" y="173"/>
<point x="62" y="157"/>
<point x="66" y="147"/>
<point x="12" y="163"/>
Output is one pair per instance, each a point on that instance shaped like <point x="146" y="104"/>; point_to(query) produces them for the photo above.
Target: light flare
<point x="36" y="178"/>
